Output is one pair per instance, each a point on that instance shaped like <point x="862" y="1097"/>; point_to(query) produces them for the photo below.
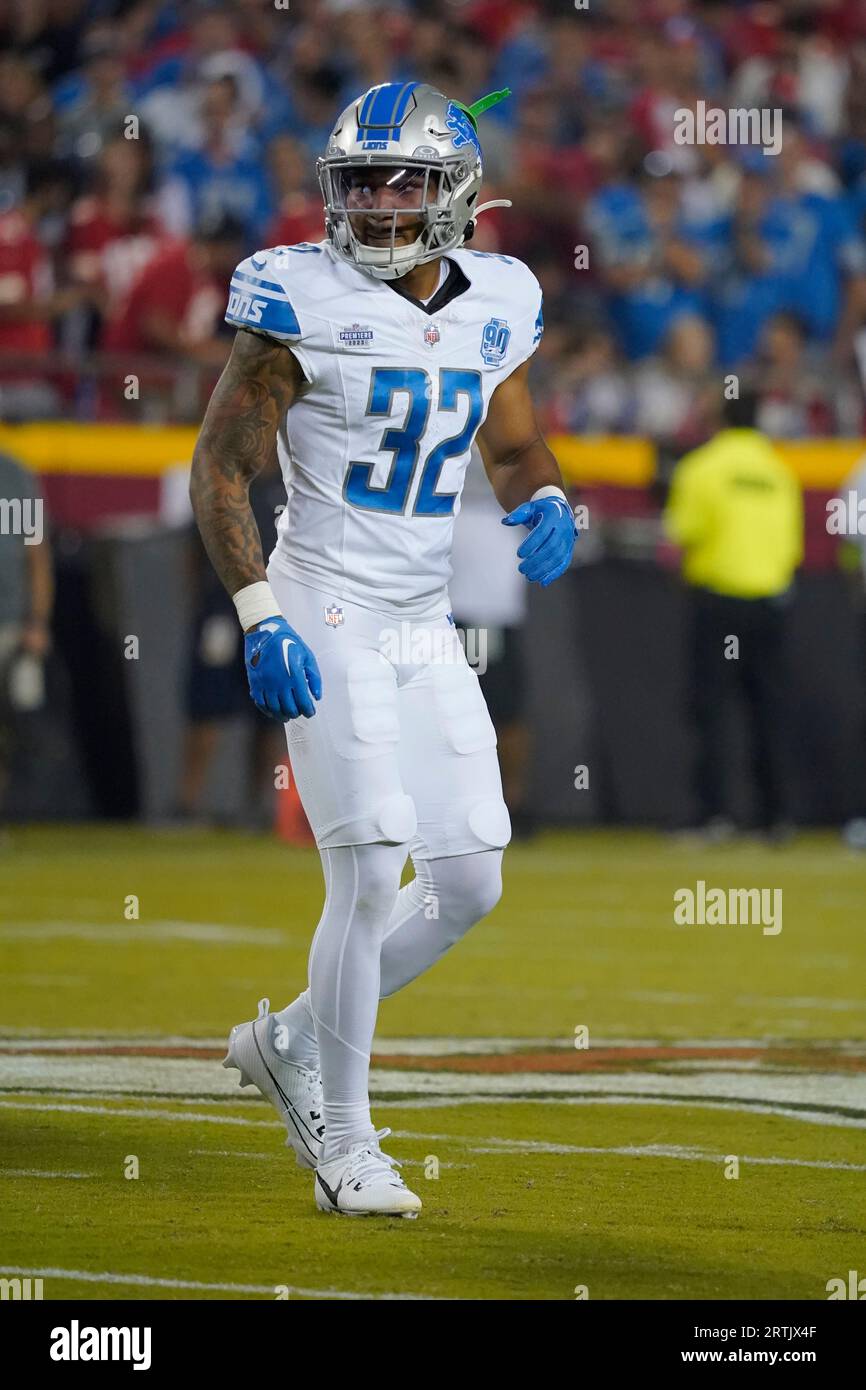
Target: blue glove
<point x="282" y="671"/>
<point x="546" y="552"/>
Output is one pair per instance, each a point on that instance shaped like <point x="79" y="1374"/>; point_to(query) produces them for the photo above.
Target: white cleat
<point x="294" y="1091"/>
<point x="364" y="1182"/>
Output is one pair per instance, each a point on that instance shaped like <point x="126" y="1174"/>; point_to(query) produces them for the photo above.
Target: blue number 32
<point x="405" y="443"/>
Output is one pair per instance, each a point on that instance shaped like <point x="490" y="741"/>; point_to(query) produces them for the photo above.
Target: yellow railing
<point x="148" y="451"/>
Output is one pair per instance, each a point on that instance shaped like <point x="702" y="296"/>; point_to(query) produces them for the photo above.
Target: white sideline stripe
<point x="234" y="1153"/>
<point x="164" y="1077"/>
<point x="39" y="1173"/>
<point x="147" y="1281"/>
<point x="785" y="1112"/>
<point x="275" y="1157"/>
<point x="385" y="1047"/>
<point x="433" y="1103"/>
<point x="67" y="1108"/>
<point x="13" y="1043"/>
<point x="769" y="1001"/>
<point x="36" y="981"/>
<point x="490" y="1144"/>
<point x="801" y="1001"/>
<point x="128" y="932"/>
<point x="49" y="1041"/>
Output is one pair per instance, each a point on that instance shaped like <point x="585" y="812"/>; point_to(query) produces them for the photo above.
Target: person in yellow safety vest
<point x="736" y="511"/>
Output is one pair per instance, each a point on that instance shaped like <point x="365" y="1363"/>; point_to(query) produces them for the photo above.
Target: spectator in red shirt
<point x="173" y="315"/>
<point x="544" y="181"/>
<point x="803" y="394"/>
<point x="29" y="303"/>
<point x="113" y="230"/>
<point x="177" y="301"/>
<point x="300" y="216"/>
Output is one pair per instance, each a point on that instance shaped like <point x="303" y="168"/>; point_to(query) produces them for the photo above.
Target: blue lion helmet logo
<point x="461" y="128"/>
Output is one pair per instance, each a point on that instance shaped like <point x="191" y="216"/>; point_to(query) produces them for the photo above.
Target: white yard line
<point x="164" y="1076"/>
<point x="802" y="1001"/>
<point x="15" y="979"/>
<point x="490" y="1144"/>
<point x="786" y="1112"/>
<point x="236" y="1153"/>
<point x="74" y="1041"/>
<point x="16" y="1039"/>
<point x="146" y="1281"/>
<point x="36" y="1040"/>
<point x="131" y="1111"/>
<point x="125" y="933"/>
<point x="71" y="1108"/>
<point x="40" y="1173"/>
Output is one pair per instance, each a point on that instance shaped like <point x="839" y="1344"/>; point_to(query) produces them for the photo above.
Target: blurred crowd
<point x="146" y="146"/>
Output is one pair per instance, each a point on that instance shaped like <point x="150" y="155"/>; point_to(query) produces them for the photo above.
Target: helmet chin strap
<point x="379" y="262"/>
<point x="391" y="269"/>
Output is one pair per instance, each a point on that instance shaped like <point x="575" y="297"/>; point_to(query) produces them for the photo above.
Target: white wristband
<point x="255" y="603"/>
<point x="549" y="491"/>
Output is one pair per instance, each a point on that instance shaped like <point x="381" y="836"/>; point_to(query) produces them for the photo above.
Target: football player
<point x="372" y="360"/>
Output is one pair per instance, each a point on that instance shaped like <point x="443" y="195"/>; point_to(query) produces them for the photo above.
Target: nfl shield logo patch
<point x="333" y="615"/>
<point x="431" y="335"/>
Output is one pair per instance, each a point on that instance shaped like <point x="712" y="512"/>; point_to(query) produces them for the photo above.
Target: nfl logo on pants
<point x="333" y="615"/>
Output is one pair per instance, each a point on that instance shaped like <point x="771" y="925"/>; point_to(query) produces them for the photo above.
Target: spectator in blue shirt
<point x="652" y="263"/>
<point x="224" y="175"/>
<point x="748" y="287"/>
<point x="814" y="240"/>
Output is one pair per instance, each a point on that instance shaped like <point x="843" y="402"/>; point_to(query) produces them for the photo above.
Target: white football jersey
<point x="374" y="450"/>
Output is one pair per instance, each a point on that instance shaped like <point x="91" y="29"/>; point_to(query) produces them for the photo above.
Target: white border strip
<point x="147" y="1281"/>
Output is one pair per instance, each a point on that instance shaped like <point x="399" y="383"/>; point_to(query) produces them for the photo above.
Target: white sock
<point x="361" y="886"/>
<point x="445" y="898"/>
<point x="297" y="1037"/>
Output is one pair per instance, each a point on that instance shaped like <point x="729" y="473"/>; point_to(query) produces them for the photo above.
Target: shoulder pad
<point x="506" y="275"/>
<point x="262" y="295"/>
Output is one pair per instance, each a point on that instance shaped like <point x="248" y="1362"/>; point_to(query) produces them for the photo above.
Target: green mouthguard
<point x="483" y="104"/>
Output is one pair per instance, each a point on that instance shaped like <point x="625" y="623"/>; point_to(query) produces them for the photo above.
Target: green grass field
<point x="604" y="1167"/>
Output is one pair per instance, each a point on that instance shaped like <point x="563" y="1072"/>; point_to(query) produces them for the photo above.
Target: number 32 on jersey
<point x="405" y="443"/>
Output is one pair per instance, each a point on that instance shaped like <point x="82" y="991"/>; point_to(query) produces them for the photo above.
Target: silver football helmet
<point x="402" y="151"/>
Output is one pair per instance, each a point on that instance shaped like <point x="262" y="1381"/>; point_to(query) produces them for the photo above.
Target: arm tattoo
<point x="236" y="440"/>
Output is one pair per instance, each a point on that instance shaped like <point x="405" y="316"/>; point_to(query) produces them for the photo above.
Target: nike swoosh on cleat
<point x="330" y="1193"/>
<point x="292" y="1113"/>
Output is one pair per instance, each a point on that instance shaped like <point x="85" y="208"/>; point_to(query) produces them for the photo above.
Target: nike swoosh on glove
<point x="282" y="671"/>
<point x="546" y="552"/>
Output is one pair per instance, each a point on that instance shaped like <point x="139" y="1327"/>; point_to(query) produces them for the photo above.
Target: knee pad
<point x="468" y="827"/>
<point x="393" y="822"/>
<point x="489" y="824"/>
